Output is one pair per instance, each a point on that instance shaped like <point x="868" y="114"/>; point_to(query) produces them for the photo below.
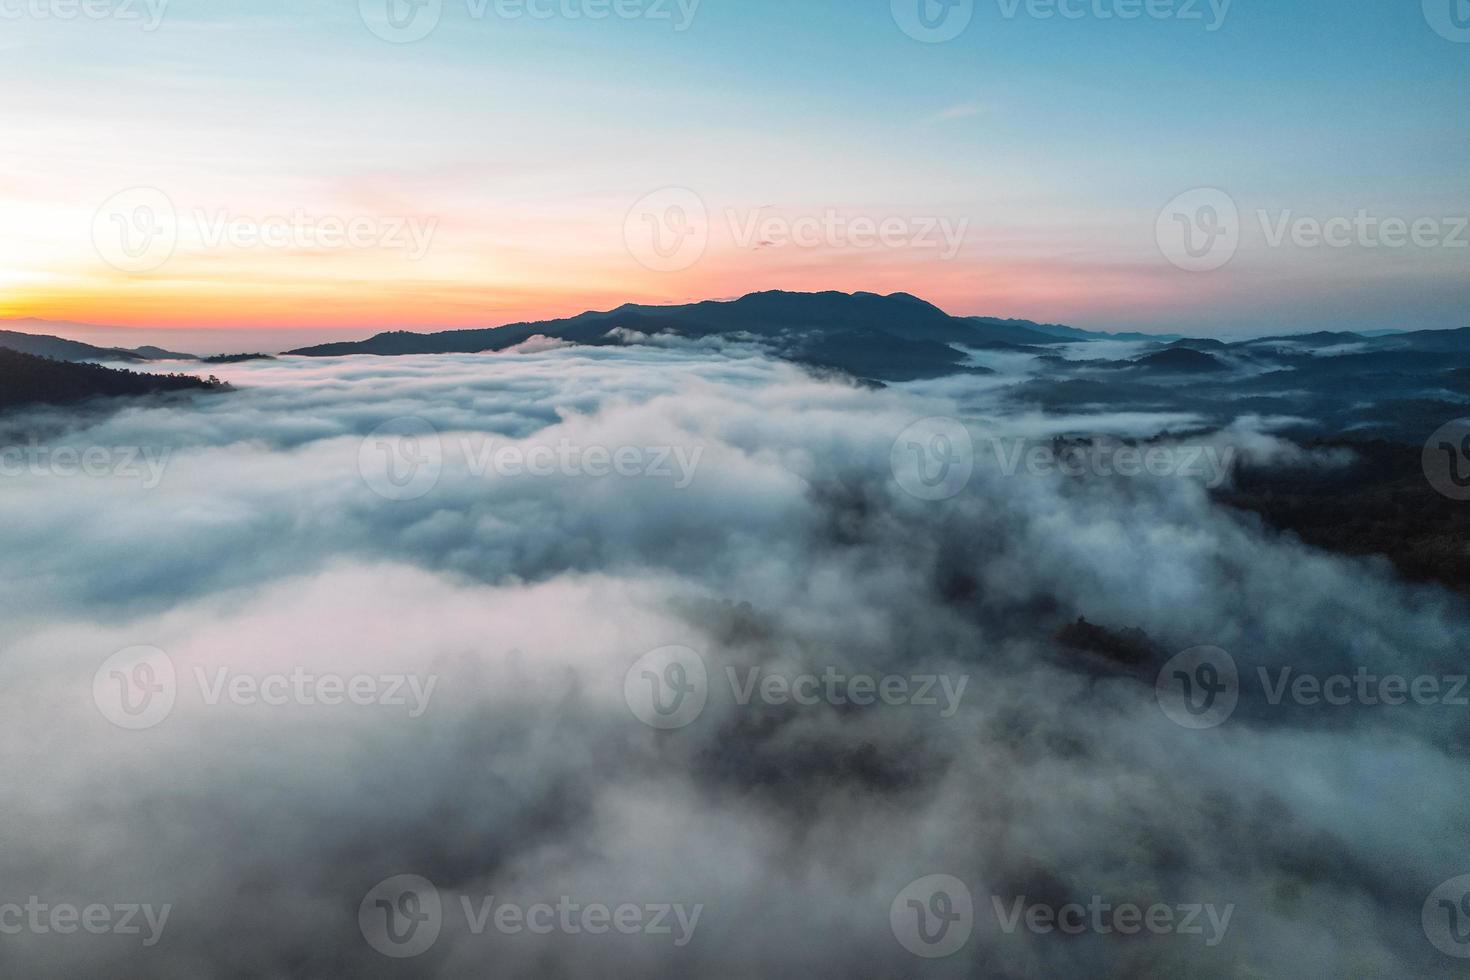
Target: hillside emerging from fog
<point x="26" y="379"/>
<point x="884" y="338"/>
<point x="1373" y="399"/>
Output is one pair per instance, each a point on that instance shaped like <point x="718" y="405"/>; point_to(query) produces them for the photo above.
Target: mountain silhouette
<point x="33" y="380"/>
<point x="888" y="338"/>
<point x="61" y="349"/>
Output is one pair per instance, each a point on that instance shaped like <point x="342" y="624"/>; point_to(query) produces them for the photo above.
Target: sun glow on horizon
<point x="451" y="193"/>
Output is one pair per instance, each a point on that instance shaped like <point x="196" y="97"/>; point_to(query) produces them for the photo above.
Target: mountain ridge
<point x="62" y="349"/>
<point x="896" y="337"/>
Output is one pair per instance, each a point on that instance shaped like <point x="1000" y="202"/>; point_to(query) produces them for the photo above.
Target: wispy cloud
<point x="965" y="110"/>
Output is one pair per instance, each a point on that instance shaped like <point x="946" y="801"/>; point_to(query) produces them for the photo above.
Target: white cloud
<point x="263" y="549"/>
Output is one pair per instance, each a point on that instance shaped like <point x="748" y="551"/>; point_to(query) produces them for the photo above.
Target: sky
<point x="321" y="166"/>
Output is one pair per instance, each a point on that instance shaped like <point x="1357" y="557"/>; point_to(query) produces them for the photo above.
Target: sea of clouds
<point x="512" y="607"/>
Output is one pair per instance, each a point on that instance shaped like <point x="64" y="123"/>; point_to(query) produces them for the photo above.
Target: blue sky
<point x="1055" y="142"/>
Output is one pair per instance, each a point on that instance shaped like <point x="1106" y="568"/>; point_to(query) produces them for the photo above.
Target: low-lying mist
<point x="692" y="631"/>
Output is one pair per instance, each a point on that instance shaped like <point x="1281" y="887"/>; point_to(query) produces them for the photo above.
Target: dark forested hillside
<point x="1380" y="505"/>
<point x="26" y="379"/>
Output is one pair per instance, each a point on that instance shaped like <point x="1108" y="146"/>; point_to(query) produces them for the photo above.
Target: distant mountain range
<point x="1057" y="331"/>
<point x="60" y="349"/>
<point x="897" y="337"/>
<point x="1370" y="398"/>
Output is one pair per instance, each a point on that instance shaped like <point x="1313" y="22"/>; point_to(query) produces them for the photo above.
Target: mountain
<point x="236" y="358"/>
<point x="60" y="349"/>
<point x="1181" y="360"/>
<point x="890" y="338"/>
<point x="1053" y="333"/>
<point x="873" y="354"/>
<point x="1322" y="338"/>
<point x="1200" y="344"/>
<point x="32" y="380"/>
<point x="159" y="354"/>
<point x="1446" y="341"/>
